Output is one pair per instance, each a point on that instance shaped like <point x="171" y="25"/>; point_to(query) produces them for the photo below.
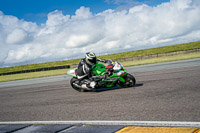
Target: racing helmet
<point x="91" y="58"/>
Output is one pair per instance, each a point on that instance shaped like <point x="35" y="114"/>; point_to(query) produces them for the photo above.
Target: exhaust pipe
<point x="78" y="86"/>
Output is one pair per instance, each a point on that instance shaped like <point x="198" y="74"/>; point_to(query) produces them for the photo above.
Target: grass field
<point x="162" y="59"/>
<point x="32" y="75"/>
<point x="165" y="49"/>
<point x="128" y="63"/>
<point x="158" y="50"/>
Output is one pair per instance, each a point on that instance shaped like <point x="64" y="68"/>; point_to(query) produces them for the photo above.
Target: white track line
<point x="125" y="123"/>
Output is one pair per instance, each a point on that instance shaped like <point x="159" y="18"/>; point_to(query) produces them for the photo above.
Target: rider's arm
<point x="102" y="60"/>
<point x="87" y="70"/>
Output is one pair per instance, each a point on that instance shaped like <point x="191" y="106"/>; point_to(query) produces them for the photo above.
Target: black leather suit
<point x="84" y="70"/>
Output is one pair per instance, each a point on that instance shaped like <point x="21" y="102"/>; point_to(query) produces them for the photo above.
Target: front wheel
<point x="129" y="81"/>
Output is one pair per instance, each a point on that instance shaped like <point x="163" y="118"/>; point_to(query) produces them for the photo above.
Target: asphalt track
<point x="164" y="92"/>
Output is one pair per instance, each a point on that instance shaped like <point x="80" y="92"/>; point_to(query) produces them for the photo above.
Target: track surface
<point x="164" y="92"/>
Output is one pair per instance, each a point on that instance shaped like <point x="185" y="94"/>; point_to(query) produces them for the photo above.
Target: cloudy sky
<point x="33" y="31"/>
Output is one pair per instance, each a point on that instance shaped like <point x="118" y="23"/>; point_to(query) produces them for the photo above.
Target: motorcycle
<point x="116" y="75"/>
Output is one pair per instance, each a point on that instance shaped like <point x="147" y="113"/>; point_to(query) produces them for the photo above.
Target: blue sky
<point x="37" y="10"/>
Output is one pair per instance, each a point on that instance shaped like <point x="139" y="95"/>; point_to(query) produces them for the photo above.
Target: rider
<point x="84" y="71"/>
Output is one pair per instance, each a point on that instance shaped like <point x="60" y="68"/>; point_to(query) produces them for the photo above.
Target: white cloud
<point x="77" y="41"/>
<point x="56" y="18"/>
<point x="65" y="36"/>
<point x="83" y="12"/>
<point x="17" y="36"/>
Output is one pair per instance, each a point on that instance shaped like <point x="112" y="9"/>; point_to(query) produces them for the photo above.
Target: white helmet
<point x="91" y="58"/>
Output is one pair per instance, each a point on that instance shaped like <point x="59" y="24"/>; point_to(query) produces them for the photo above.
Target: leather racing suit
<point x="84" y="71"/>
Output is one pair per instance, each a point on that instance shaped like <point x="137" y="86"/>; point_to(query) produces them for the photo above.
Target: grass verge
<point x="165" y="49"/>
<point x="128" y="63"/>
<point x="161" y="59"/>
<point x="32" y="75"/>
<point x="158" y="50"/>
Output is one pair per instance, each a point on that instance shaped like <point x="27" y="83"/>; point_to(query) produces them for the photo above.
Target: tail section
<point x="72" y="72"/>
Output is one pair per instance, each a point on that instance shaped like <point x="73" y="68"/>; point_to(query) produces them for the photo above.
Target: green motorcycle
<point x="116" y="75"/>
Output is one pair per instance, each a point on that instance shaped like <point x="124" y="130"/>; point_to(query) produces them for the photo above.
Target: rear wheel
<point x="129" y="81"/>
<point x="75" y="81"/>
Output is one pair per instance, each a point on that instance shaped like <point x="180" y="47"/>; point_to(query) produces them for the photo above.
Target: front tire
<point x="129" y="81"/>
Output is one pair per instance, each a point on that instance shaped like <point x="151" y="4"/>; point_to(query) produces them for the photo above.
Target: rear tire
<point x="76" y="81"/>
<point x="130" y="81"/>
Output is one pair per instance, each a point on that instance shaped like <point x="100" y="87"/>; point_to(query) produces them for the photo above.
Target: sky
<point x="34" y="31"/>
<point x="37" y="10"/>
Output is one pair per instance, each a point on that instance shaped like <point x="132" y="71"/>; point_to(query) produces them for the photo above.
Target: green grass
<point x="161" y="59"/>
<point x="128" y="63"/>
<point x="39" y="65"/>
<point x="171" y="48"/>
<point x="32" y="75"/>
